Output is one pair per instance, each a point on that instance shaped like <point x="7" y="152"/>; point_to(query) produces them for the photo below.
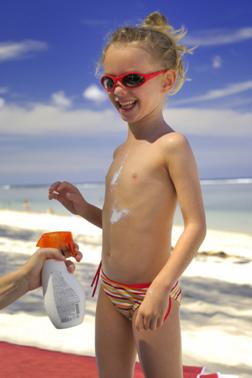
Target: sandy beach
<point x="216" y="309"/>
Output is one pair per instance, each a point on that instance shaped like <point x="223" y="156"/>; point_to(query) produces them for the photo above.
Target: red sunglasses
<point x="129" y="80"/>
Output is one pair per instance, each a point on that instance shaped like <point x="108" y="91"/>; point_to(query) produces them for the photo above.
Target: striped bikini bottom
<point x="128" y="297"/>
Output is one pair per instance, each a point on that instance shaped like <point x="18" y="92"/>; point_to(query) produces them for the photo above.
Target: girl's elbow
<point x="202" y="229"/>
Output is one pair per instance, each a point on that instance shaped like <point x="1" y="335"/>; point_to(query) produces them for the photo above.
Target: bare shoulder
<point x="178" y="156"/>
<point x="174" y="143"/>
<point x="117" y="150"/>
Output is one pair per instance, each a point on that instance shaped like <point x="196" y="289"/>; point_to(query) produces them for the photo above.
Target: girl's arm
<point x="92" y="214"/>
<point x="183" y="172"/>
<point x="71" y="198"/>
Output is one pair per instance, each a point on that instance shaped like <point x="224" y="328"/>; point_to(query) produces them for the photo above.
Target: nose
<point x="119" y="89"/>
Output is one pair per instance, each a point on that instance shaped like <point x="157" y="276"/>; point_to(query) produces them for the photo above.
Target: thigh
<point x="159" y="351"/>
<point x="114" y="341"/>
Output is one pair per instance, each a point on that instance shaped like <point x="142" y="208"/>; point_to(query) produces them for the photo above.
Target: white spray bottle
<point x="64" y="297"/>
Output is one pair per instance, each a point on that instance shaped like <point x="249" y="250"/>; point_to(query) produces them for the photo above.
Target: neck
<point x="148" y="128"/>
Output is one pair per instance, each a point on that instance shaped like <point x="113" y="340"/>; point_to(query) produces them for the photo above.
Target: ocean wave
<point x="231" y="243"/>
<point x="5" y="187"/>
<point x="47" y="222"/>
<point x="84" y="185"/>
<point x="226" y="181"/>
<point x="99" y="184"/>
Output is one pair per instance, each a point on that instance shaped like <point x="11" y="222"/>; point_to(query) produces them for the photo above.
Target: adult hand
<point x="33" y="267"/>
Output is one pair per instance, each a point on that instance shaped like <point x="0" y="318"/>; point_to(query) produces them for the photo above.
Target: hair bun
<point x="160" y="39"/>
<point x="156" y="20"/>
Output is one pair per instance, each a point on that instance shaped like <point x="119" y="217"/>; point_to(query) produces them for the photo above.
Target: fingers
<point x="54" y="186"/>
<point x="51" y="253"/>
<point x="153" y="324"/>
<point x="67" y="253"/>
<point x="70" y="266"/>
<point x="57" y="188"/>
<point x="160" y="322"/>
<point x="148" y="323"/>
<point x="142" y="322"/>
<point x="53" y="190"/>
<point x="56" y="254"/>
<point x="78" y="255"/>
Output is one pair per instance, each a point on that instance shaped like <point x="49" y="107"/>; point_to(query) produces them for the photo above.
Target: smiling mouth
<point x="127" y="105"/>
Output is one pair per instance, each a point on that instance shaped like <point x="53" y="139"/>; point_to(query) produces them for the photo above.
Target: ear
<point x="168" y="81"/>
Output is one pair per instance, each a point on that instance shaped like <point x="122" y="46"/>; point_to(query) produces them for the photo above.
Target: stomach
<point x="134" y="252"/>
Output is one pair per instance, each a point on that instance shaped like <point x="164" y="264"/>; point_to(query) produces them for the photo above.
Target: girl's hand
<point x="68" y="195"/>
<point x="151" y="312"/>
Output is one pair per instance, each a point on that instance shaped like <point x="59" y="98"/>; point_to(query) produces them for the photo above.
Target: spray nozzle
<point x="57" y="239"/>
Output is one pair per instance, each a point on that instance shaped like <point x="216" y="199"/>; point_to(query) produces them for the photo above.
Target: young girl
<point x="139" y="298"/>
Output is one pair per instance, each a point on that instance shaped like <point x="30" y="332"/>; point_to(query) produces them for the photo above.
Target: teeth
<point x="130" y="102"/>
<point x="126" y="103"/>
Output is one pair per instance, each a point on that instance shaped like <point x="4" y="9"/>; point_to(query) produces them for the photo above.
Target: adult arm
<point x="28" y="277"/>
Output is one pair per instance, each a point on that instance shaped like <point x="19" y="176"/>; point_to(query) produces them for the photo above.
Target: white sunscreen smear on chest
<point x="115" y="177"/>
<point x="117" y="174"/>
<point x="117" y="214"/>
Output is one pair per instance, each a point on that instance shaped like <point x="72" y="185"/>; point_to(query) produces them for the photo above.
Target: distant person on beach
<point x="26" y="205"/>
<point x="28" y="277"/>
<point x="139" y="298"/>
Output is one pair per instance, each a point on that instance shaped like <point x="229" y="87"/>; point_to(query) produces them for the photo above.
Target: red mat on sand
<point x="28" y="362"/>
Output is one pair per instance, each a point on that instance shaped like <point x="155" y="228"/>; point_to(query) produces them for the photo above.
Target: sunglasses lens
<point x="107" y="82"/>
<point x="133" y="80"/>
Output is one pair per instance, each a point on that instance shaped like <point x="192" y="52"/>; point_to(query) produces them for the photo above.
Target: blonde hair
<point x="160" y="39"/>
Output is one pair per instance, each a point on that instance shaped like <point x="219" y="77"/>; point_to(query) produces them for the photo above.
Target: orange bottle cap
<point x="57" y="239"/>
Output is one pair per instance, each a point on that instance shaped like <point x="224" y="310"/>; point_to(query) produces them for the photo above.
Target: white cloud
<point x="214" y="94"/>
<point x="93" y="93"/>
<point x="211" y="122"/>
<point x="39" y="119"/>
<point x="94" y="134"/>
<point x="2" y="102"/>
<point x="14" y="50"/>
<point x="216" y="37"/>
<point x="43" y="119"/>
<point x="60" y="99"/>
<point x="216" y="62"/>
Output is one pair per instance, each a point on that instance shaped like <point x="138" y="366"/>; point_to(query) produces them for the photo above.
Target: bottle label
<point x="67" y="301"/>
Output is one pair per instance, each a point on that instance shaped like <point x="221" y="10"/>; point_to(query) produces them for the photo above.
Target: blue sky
<point x="56" y="123"/>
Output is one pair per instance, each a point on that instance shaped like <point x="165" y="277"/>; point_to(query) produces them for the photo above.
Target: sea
<point x="228" y="202"/>
<point x="216" y="309"/>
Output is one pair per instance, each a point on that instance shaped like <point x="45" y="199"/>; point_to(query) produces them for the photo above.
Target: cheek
<point x="111" y="98"/>
<point x="151" y="98"/>
<point x="150" y="90"/>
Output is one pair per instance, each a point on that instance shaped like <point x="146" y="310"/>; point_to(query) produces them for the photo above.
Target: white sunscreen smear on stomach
<point x="118" y="214"/>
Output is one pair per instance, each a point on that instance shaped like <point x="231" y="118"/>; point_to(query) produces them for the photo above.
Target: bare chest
<point x="135" y="175"/>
